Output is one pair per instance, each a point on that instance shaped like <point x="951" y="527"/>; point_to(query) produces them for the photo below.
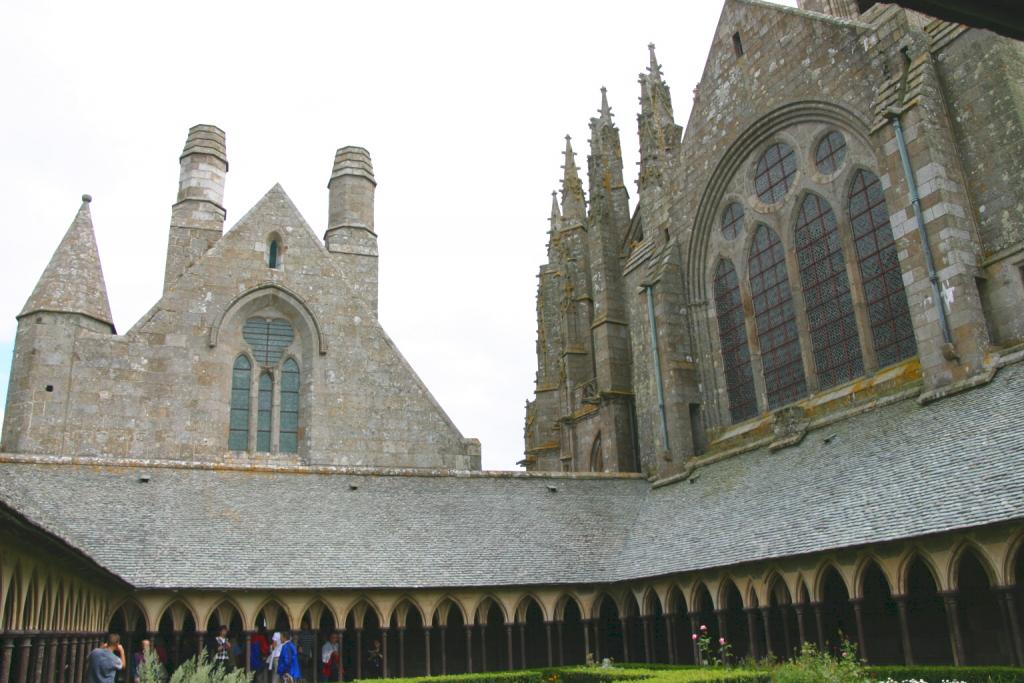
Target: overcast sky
<point x="463" y="106"/>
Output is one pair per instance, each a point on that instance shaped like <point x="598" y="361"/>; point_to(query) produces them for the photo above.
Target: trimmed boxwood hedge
<point x="937" y="674"/>
<point x="665" y="673"/>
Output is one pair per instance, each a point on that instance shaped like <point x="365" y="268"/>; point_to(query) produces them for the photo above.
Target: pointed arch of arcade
<point x="573" y="630"/>
<point x="273" y="614"/>
<point x="406" y="639"/>
<point x="492" y="647"/>
<point x="177" y="632"/>
<point x="876" y="613"/>
<point x="533" y="633"/>
<point x="780" y="618"/>
<point x="453" y="650"/>
<point x="362" y="629"/>
<point x="678" y="627"/>
<point x="983" y="630"/>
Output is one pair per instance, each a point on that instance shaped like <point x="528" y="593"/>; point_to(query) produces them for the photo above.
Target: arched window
<point x="831" y="153"/>
<point x="830" y="317"/>
<point x="272" y="254"/>
<point x="238" y="429"/>
<point x="776" y="320"/>
<point x="732" y="220"/>
<point x="289" y="429"/>
<point x="596" y="457"/>
<point x="732" y="334"/>
<point x="889" y="315"/>
<point x="265" y="403"/>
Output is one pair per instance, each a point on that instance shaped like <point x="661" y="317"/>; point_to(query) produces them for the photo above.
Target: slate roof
<point x="891" y="473"/>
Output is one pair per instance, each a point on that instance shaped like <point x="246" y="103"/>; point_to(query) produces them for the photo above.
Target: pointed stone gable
<point x="73" y="280"/>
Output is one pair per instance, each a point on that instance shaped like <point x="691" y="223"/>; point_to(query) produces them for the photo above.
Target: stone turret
<point x="659" y="134"/>
<point x="197" y="217"/>
<point x="574" y="204"/>
<point x="69" y="301"/>
<point x="350" y="231"/>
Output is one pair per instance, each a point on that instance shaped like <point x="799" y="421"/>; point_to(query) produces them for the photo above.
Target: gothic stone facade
<point x="770" y="399"/>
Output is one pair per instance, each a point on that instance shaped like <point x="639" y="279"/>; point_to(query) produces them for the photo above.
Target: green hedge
<point x="937" y="674"/>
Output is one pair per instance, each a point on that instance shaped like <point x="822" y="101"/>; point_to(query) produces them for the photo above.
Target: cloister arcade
<point x="949" y="599"/>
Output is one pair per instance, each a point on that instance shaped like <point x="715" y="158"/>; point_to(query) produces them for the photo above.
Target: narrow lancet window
<point x="238" y="427"/>
<point x="289" y="429"/>
<point x="891" y="327"/>
<point x="272" y="254"/>
<point x="265" y="402"/>
<point x="776" y="320"/>
<point x="830" y="317"/>
<point x="732" y="335"/>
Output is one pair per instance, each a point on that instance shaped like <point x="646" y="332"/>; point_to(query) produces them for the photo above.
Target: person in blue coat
<point x="288" y="662"/>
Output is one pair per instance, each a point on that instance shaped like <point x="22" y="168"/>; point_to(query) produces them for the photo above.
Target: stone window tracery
<point x="732" y="333"/>
<point x="267" y="405"/>
<point x="882" y="278"/>
<point x="831" y="152"/>
<point x="830" y="318"/>
<point x="775" y="317"/>
<point x="732" y="220"/>
<point x="774" y="173"/>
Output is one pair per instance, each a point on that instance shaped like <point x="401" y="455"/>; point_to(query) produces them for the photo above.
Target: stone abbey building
<point x="780" y="396"/>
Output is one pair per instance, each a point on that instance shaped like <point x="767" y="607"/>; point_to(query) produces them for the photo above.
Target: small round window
<point x="774" y="173"/>
<point x="831" y="153"/>
<point x="732" y="220"/>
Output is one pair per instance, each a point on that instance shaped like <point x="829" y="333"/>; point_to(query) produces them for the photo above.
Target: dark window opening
<point x="272" y="257"/>
<point x="49" y="388"/>
<point x="697" y="429"/>
<point x="737" y="44"/>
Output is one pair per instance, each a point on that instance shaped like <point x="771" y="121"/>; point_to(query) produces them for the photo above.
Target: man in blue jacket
<point x="288" y="662"/>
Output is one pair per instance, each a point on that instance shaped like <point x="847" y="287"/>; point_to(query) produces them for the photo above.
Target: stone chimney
<point x="350" y="232"/>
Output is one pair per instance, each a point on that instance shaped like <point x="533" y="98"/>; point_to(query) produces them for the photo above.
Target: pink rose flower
<point x="721" y="641"/>
<point x="695" y="636"/>
<point x="703" y="627"/>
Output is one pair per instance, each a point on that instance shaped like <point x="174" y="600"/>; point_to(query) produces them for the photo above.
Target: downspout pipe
<point x="915" y="199"/>
<point x="657" y="364"/>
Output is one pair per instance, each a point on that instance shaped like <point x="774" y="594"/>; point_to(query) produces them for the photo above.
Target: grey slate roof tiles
<point x="895" y="472"/>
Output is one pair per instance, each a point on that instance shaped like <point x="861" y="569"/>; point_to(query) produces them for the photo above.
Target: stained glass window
<point x="774" y="173"/>
<point x="830" y="317"/>
<point x="238" y="422"/>
<point x="272" y="255"/>
<point x="831" y="152"/>
<point x="289" y="429"/>
<point x="732" y="334"/>
<point x="732" y="220"/>
<point x="776" y="320"/>
<point x="265" y="402"/>
<point x="268" y="338"/>
<point x="889" y="315"/>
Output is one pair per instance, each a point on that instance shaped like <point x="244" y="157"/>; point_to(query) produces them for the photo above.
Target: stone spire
<point x="556" y="214"/>
<point x="574" y="205"/>
<point x="73" y="280"/>
<point x="605" y="160"/>
<point x="659" y="134"/>
<point x="606" y="111"/>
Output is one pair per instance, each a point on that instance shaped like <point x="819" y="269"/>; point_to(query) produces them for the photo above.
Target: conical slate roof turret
<point x="73" y="280"/>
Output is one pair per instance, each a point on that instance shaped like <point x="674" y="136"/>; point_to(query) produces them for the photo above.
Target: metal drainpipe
<point x="657" y="364"/>
<point x="901" y="143"/>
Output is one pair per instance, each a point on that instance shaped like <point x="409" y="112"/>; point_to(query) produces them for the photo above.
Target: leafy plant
<point x="814" y="666"/>
<point x="196" y="670"/>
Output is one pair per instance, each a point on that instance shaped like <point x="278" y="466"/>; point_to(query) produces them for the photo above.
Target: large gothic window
<point x="732" y="333"/>
<point x="271" y="398"/>
<point x="774" y="173"/>
<point x="830" y="317"/>
<point x="888" y="312"/>
<point x="241" y="380"/>
<point x="776" y="319"/>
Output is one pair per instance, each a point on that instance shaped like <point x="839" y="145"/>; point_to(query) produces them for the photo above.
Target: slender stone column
<point x="723" y="628"/>
<point x="426" y="645"/>
<point x="401" y="652"/>
<point x="51" y="659"/>
<point x="801" y="627"/>
<point x="819" y="622"/>
<point x="248" y="652"/>
<point x="444" y="649"/>
<point x="547" y="636"/>
<point x="670" y="637"/>
<point x="858" y="613"/>
<point x="648" y="639"/>
<point x="176" y="648"/>
<point x="483" y="646"/>
<point x="24" y="656"/>
<point x="695" y="628"/>
<point x="359" y="652"/>
<point x="786" y="633"/>
<point x="1005" y="594"/>
<point x="561" y="643"/>
<point x="469" y="648"/>
<point x="766" y="617"/>
<point x="200" y="642"/>
<point x="71" y="673"/>
<point x="752" y="632"/>
<point x="522" y="644"/>
<point x="908" y="651"/>
<point x="625" y="639"/>
<point x="384" y="644"/>
<point x="586" y="639"/>
<point x="508" y="635"/>
<point x="6" y="654"/>
<point x="62" y="661"/>
<point x="949" y="601"/>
